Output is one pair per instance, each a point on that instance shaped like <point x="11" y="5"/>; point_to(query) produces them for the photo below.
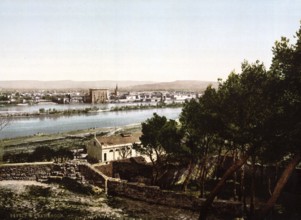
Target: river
<point x="35" y="108"/>
<point x="24" y="126"/>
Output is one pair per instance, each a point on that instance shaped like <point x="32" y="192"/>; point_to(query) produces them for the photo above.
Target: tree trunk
<point x="218" y="163"/>
<point x="155" y="173"/>
<point x="252" y="196"/>
<point x="235" y="197"/>
<point x="190" y="169"/>
<point x="158" y="164"/>
<point x="269" y="186"/>
<point x="242" y="194"/>
<point x="207" y="204"/>
<point x="175" y="179"/>
<point x="204" y="173"/>
<point x="203" y="179"/>
<point x="279" y="186"/>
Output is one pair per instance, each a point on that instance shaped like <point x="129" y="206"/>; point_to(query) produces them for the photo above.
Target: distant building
<point x="114" y="147"/>
<point x="76" y="99"/>
<point x="116" y="93"/>
<point x="98" y="95"/>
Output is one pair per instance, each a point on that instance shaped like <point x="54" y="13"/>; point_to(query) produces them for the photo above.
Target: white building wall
<point x="106" y="153"/>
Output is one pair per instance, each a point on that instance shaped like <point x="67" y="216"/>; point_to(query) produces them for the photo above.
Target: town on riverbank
<point x="84" y="102"/>
<point x="23" y="97"/>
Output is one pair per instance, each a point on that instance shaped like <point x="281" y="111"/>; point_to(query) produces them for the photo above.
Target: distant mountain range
<point x="191" y="85"/>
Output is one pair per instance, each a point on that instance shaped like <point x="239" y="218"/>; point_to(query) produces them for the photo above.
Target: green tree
<point x="244" y="110"/>
<point x="200" y="123"/>
<point x="159" y="135"/>
<point x="63" y="154"/>
<point x="42" y="153"/>
<point x="42" y="110"/>
<point x="150" y="138"/>
<point x="264" y="121"/>
<point x="285" y="125"/>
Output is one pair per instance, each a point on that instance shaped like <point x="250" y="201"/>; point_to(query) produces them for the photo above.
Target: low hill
<point x="188" y="85"/>
<point x="67" y="84"/>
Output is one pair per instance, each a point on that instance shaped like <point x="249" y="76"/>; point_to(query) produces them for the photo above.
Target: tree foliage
<point x="254" y="114"/>
<point x="41" y="153"/>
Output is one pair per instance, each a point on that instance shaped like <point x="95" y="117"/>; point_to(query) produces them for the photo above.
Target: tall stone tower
<point x="116" y="93"/>
<point x="99" y="95"/>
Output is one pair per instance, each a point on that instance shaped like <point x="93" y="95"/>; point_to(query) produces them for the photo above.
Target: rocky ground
<point x="33" y="200"/>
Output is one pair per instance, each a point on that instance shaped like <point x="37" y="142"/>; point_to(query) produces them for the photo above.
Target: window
<point x="105" y="156"/>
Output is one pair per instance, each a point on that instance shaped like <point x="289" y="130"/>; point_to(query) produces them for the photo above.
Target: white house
<point x="108" y="148"/>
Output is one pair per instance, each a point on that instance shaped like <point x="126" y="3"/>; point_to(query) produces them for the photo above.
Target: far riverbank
<point x="49" y="112"/>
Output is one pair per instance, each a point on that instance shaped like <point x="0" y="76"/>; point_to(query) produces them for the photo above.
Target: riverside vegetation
<point x="94" y="109"/>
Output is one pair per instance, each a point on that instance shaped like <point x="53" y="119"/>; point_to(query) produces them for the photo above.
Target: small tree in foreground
<point x="158" y="134"/>
<point x="4" y="121"/>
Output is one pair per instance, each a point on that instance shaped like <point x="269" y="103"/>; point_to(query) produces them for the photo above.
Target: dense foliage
<point x="254" y="116"/>
<point x="39" y="154"/>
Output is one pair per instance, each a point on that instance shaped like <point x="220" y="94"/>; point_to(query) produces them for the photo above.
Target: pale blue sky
<point x="158" y="40"/>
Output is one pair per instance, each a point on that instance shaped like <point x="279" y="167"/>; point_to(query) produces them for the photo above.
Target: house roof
<point x="120" y="139"/>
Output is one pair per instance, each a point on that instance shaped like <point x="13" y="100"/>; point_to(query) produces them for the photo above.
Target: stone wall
<point x="106" y="169"/>
<point x="92" y="175"/>
<point x="153" y="194"/>
<point x="82" y="172"/>
<point x="132" y="169"/>
<point x="25" y="171"/>
<point x="41" y="171"/>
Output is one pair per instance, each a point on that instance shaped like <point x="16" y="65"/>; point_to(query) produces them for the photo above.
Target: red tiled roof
<point x="120" y="139"/>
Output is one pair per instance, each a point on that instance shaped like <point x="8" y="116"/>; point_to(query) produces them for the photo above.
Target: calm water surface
<point x="32" y="125"/>
<point x="35" y="108"/>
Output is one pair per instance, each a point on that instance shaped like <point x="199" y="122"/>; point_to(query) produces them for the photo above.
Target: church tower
<point x="116" y="90"/>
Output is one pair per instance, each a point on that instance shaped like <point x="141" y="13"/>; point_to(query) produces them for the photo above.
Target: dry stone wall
<point x="82" y="173"/>
<point x="93" y="176"/>
<point x="30" y="171"/>
<point x="42" y="171"/>
<point x="106" y="169"/>
<point x="153" y="194"/>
